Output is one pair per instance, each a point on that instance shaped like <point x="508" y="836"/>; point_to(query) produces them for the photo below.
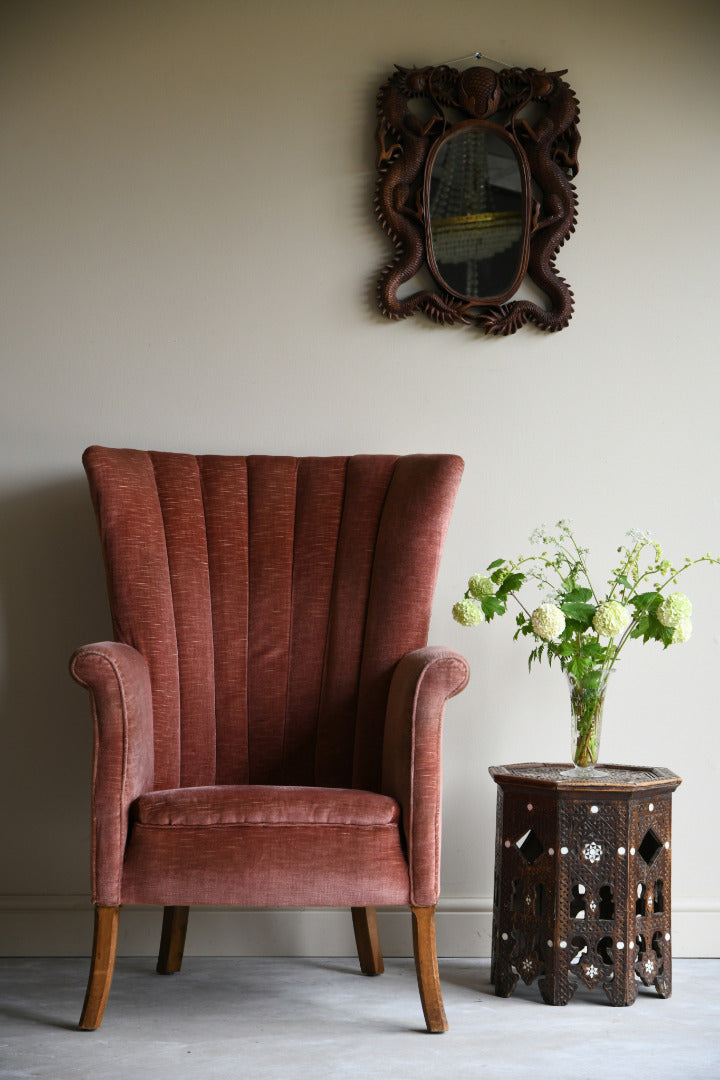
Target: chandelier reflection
<point x="476" y="216"/>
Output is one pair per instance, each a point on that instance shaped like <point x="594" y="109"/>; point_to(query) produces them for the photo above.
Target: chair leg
<point x="423" y="923"/>
<point x="367" y="940"/>
<point x="172" y="940"/>
<point x="102" y="966"/>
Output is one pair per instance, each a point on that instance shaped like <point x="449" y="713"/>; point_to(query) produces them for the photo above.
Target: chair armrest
<point x="118" y="679"/>
<point x="421" y="684"/>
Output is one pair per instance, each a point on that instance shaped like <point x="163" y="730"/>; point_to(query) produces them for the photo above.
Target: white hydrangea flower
<point x="611" y="618"/>
<point x="682" y="632"/>
<point x="548" y="621"/>
<point x="468" y="613"/>
<point x="480" y="586"/>
<point x="674" y="609"/>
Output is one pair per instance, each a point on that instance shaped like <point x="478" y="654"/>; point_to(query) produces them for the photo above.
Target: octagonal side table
<point x="582" y="880"/>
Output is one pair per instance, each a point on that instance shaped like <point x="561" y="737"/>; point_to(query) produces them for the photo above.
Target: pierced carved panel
<point x="582" y="891"/>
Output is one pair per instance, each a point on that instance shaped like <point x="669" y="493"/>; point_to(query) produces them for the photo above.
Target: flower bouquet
<point x="574" y="625"/>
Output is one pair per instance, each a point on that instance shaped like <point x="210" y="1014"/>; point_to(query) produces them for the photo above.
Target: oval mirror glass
<point x="477" y="212"/>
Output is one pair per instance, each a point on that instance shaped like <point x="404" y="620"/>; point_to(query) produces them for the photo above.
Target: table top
<point x="562" y="777"/>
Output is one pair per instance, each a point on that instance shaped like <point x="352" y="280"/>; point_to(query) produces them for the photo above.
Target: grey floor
<point x="283" y="1019"/>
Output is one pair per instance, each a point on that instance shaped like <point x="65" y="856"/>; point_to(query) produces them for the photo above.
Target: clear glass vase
<point x="587" y="698"/>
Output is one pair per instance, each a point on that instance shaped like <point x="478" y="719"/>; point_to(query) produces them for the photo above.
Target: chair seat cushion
<point x="265" y="804"/>
<point x="259" y="845"/>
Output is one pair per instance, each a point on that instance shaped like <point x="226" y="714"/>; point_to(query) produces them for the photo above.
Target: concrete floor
<point x="288" y="1019"/>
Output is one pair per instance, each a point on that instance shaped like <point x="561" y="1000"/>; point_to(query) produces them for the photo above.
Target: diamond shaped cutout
<point x="650" y="847"/>
<point x="530" y="847"/>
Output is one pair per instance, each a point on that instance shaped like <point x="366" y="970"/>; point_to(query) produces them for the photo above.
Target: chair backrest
<point x="271" y="598"/>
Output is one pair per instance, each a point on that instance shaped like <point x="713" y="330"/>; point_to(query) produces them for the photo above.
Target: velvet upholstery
<point x="268" y="721"/>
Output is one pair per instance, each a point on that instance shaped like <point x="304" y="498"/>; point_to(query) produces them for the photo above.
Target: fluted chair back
<point x="271" y="598"/>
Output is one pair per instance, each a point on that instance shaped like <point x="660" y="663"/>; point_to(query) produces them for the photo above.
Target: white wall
<point x="189" y="256"/>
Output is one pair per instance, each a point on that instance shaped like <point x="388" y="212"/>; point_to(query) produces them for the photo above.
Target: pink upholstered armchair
<point x="267" y="722"/>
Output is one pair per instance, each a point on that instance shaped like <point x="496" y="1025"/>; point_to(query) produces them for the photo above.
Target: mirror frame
<point x="539" y="113"/>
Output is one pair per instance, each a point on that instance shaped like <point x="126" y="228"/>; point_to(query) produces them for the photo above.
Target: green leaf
<point x="577" y="667"/>
<point x="581" y="615"/>
<point x="656" y="630"/>
<point x="511" y="584"/>
<point x="498" y="562"/>
<point x="578" y="611"/>
<point x="578" y="595"/>
<point x="647" y="601"/>
<point x="622" y="580"/>
<point x="597" y="652"/>
<point x="649" y="628"/>
<point x="492" y="606"/>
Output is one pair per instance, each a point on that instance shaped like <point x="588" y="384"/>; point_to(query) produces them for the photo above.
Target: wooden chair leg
<point x="172" y="940"/>
<point x="423" y="923"/>
<point x="367" y="940"/>
<point x="102" y="966"/>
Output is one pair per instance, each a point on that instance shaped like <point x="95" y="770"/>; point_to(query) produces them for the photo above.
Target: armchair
<point x="267" y="722"/>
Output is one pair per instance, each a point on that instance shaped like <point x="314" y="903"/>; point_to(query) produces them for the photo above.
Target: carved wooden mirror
<point x="474" y="183"/>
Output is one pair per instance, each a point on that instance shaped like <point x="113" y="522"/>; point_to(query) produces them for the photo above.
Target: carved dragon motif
<point x="551" y="147"/>
<point x="403" y="142"/>
<point x="550" y="143"/>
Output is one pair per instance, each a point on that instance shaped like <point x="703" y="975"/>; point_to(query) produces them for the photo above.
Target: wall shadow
<point x="52" y="599"/>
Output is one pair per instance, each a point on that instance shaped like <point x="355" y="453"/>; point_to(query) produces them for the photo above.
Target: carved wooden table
<point x="582" y="880"/>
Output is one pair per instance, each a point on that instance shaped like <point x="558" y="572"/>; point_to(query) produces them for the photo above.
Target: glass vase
<point x="587" y="698"/>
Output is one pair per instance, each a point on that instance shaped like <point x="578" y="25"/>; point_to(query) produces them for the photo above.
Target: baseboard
<point x="62" y="926"/>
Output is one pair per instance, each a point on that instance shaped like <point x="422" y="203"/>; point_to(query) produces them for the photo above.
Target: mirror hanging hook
<point x="474" y="56"/>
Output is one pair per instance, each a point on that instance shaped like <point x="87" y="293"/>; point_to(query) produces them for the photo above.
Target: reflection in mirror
<point x="477" y="212"/>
